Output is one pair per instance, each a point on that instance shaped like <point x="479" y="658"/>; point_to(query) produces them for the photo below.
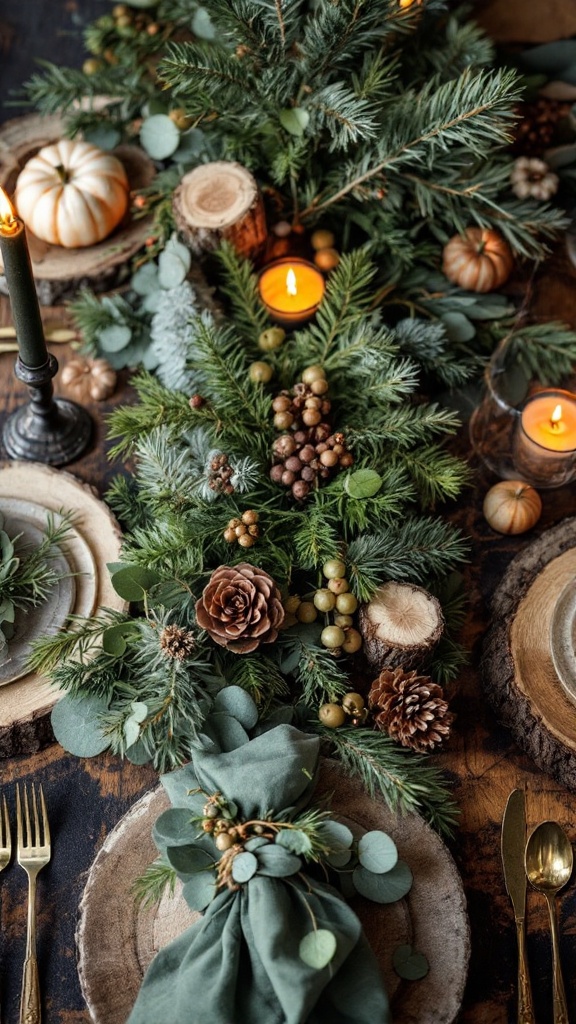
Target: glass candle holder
<point x="291" y="289"/>
<point x="529" y="436"/>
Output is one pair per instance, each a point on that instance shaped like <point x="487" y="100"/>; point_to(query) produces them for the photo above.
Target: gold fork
<point x="5" y="839"/>
<point x="33" y="853"/>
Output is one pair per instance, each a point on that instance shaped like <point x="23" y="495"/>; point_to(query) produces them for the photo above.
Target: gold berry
<point x="324" y="600"/>
<point x="322" y="239"/>
<point x="306" y="612"/>
<point x="333" y="568"/>
<point x="332" y="715"/>
<point x="353" y="703"/>
<point x="223" y="841"/>
<point x="332" y="636"/>
<point x="327" y="259"/>
<point x="312" y="373"/>
<point x="271" y="338"/>
<point x="260" y="372"/>
<point x="353" y="641"/>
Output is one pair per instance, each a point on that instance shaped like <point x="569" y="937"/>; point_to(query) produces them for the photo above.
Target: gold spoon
<point x="548" y="861"/>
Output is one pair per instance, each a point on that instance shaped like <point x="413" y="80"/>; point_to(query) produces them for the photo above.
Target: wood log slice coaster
<point x="116" y="940"/>
<point x="27" y="700"/>
<point x="517" y="665"/>
<point x="220" y="201"/>
<point x="60" y="272"/>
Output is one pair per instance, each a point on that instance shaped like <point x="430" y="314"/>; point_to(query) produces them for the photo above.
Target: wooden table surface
<point x="88" y="797"/>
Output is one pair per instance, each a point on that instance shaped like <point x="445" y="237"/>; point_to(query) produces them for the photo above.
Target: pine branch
<point x="158" y="879"/>
<point x="240" y="288"/>
<point x="157" y="407"/>
<point x="408" y="782"/>
<point x="348" y="118"/>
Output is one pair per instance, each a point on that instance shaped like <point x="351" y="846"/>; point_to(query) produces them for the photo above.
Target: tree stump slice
<point x="401" y="626"/>
<point x="220" y="202"/>
<point x="116" y="940"/>
<point x="26" y="703"/>
<point x="60" y="272"/>
<point x="517" y="666"/>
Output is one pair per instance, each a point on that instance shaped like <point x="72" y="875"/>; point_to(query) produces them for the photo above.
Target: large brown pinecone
<point x="410" y="708"/>
<point x="537" y="128"/>
<point x="240" y="608"/>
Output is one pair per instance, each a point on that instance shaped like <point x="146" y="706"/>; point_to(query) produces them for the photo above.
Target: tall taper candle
<point x="20" y="280"/>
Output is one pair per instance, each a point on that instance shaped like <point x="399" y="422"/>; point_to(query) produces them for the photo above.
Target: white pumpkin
<point x="72" y="194"/>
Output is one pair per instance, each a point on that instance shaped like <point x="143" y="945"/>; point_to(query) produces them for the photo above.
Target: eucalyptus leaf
<point x="377" y="852"/>
<point x="114" y="638"/>
<point x="291" y="659"/>
<point x="104" y="136"/>
<point x="131" y="730"/>
<point x="171" y="270"/>
<point x="145" y="279"/>
<point x="178" y="249"/>
<point x="202" y="26"/>
<point x="339" y="838"/>
<point x="132" y="581"/>
<point x="458" y="327"/>
<point x="114" y="338"/>
<point x="256" y="843"/>
<point x="244" y="867"/>
<point x="76" y="722"/>
<point x="174" y="827"/>
<point x="408" y="964"/>
<point x="235" y="701"/>
<point x="199" y="891"/>
<point x="295" y="840"/>
<point x="364" y="483"/>
<point x="294" y="120"/>
<point x="159" y="136"/>
<point x="139" y="752"/>
<point x="7" y="610"/>
<point x="189" y="859"/>
<point x="317" y="948"/>
<point x="383" y="888"/>
<point x="6" y="546"/>
<point x="276" y="862"/>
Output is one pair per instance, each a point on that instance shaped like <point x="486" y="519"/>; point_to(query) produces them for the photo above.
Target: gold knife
<point x="513" y="846"/>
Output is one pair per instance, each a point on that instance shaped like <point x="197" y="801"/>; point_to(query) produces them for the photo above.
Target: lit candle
<point x="545" y="440"/>
<point x="20" y="280"/>
<point x="291" y="290"/>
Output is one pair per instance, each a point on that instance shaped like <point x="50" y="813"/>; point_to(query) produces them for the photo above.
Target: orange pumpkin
<point x="72" y="194"/>
<point x="479" y="260"/>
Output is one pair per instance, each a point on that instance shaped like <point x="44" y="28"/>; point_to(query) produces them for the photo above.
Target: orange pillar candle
<point x="545" y="441"/>
<point x="291" y="290"/>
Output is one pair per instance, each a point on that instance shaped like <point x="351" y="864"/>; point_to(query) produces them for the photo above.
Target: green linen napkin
<point x="240" y="963"/>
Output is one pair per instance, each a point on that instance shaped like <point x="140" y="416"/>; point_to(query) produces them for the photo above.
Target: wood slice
<point x="517" y="667"/>
<point x="60" y="272"/>
<point x="401" y="626"/>
<point x="220" y="201"/>
<point x="26" y="703"/>
<point x="116" y="941"/>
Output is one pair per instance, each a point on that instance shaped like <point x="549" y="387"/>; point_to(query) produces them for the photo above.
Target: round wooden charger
<point x="21" y="139"/>
<point x="26" y="701"/>
<point x="116" y="940"/>
<point x="517" y="665"/>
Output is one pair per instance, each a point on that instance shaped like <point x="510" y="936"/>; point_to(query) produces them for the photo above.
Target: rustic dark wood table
<point x="87" y="797"/>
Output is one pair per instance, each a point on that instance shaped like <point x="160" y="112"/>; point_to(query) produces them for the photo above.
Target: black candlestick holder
<point x="47" y="429"/>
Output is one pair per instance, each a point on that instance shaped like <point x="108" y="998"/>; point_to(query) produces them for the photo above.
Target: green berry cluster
<point x="336" y="603"/>
<point x="352" y="711"/>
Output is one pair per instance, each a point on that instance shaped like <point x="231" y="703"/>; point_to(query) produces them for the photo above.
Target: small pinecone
<point x="531" y="177"/>
<point x="177" y="642"/>
<point x="536" y="130"/>
<point x="219" y="475"/>
<point x="410" y="708"/>
<point x="308" y="456"/>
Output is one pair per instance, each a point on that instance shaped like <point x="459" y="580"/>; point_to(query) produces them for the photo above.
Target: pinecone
<point x="241" y="608"/>
<point x="532" y="177"/>
<point x="410" y="708"/>
<point x="537" y="129"/>
<point x="177" y="642"/>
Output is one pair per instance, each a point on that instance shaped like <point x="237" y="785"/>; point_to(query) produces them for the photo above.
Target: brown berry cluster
<point x="336" y="603"/>
<point x="229" y="836"/>
<point x="351" y="711"/>
<point x="219" y="475"/>
<point x="312" y="451"/>
<point x="243" y="531"/>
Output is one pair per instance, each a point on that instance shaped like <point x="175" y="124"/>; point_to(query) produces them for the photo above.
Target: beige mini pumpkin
<point x="87" y="379"/>
<point x="479" y="260"/>
<point x="72" y="194"/>
<point x="512" y="506"/>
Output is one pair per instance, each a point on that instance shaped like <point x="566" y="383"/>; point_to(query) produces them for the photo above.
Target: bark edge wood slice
<point x="401" y="626"/>
<point x="60" y="272"/>
<point x="219" y="202"/>
<point x="516" y="664"/>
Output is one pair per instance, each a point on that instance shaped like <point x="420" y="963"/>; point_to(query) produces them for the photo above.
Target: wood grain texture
<point x="116" y="946"/>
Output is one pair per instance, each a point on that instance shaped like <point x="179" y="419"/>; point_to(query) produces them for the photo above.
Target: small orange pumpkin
<point x="72" y="193"/>
<point x="479" y="260"/>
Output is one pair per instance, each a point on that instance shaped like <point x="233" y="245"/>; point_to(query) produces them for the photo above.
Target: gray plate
<point x="563" y="639"/>
<point x="29" y="521"/>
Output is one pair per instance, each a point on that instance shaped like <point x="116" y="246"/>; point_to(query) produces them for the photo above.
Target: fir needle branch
<point x="501" y="84"/>
<point x="407" y="781"/>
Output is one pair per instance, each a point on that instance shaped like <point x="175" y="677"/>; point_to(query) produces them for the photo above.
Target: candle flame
<point x="291" y="283"/>
<point x="556" y="417"/>
<point x="7" y="212"/>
